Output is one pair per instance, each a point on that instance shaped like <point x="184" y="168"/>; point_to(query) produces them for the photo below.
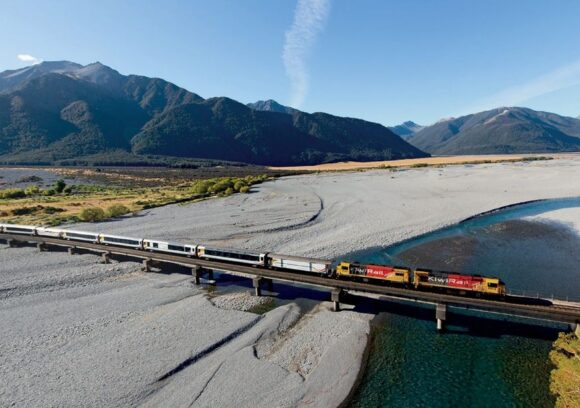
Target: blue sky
<point x="379" y="60"/>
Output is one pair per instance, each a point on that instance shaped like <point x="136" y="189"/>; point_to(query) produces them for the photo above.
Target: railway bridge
<point x="533" y="308"/>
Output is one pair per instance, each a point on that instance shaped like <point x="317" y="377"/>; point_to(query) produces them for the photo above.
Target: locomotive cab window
<point x="492" y="285"/>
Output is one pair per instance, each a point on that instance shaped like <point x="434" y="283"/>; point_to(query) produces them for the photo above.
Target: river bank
<point x="88" y="327"/>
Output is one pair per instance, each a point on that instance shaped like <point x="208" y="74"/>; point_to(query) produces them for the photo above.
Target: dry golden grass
<point x="428" y="161"/>
<point x="565" y="378"/>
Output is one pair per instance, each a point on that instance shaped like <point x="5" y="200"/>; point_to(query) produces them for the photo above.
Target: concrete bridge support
<point x="441" y="316"/>
<point x="335" y="297"/>
<point x="72" y="250"/>
<point x="256" y="283"/>
<point x="41" y="246"/>
<point x="196" y="272"/>
<point x="106" y="257"/>
<point x="146" y="265"/>
<point x="11" y="243"/>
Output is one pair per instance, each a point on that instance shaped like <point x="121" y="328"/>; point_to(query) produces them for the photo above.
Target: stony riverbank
<point x="75" y="325"/>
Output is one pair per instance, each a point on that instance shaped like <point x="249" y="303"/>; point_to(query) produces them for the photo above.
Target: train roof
<point x="456" y="273"/>
<point x="300" y="258"/>
<point x="233" y="250"/>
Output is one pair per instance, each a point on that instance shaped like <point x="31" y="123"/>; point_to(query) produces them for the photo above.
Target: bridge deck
<point x="543" y="309"/>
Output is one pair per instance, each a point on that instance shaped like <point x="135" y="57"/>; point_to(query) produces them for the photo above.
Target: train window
<point x="176" y="248"/>
<point x="399" y="274"/>
<point x="75" y="235"/>
<point x="155" y="245"/>
<point x="492" y="285"/>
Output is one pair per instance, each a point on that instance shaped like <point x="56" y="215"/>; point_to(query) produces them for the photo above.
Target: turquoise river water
<point x="481" y="360"/>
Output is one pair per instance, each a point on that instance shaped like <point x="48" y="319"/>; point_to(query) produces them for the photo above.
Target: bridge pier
<point x="11" y="243"/>
<point x="106" y="257"/>
<point x="441" y="316"/>
<point x="72" y="250"/>
<point x="41" y="246"/>
<point x="335" y="296"/>
<point x="196" y="272"/>
<point x="256" y="282"/>
<point x="146" y="265"/>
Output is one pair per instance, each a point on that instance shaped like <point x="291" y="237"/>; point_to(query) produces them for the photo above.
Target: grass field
<point x="565" y="381"/>
<point x="116" y="193"/>
<point x="423" y="162"/>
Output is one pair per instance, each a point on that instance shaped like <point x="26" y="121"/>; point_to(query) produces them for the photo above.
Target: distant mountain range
<point x="271" y="106"/>
<point x="406" y="129"/>
<point x="498" y="131"/>
<point x="58" y="111"/>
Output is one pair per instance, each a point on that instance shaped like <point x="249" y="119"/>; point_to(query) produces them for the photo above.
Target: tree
<point x="59" y="186"/>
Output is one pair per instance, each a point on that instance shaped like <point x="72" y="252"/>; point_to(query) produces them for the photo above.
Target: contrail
<point x="563" y="77"/>
<point x="309" y="18"/>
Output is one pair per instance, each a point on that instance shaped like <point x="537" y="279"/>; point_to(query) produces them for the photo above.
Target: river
<point x="481" y="360"/>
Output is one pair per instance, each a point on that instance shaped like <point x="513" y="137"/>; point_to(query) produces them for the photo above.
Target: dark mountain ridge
<point x="501" y="130"/>
<point x="65" y="111"/>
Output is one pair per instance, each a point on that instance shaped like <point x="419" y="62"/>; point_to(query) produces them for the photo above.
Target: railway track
<point x="535" y="308"/>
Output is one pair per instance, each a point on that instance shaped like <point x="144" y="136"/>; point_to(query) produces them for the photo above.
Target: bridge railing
<point x="543" y="295"/>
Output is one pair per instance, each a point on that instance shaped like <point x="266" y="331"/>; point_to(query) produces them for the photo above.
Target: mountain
<point x="11" y="80"/>
<point x="271" y="106"/>
<point x="406" y="129"/>
<point x="64" y="111"/>
<point x="226" y="129"/>
<point x="501" y="130"/>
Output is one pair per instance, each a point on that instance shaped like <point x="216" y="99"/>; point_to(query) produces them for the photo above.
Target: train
<point x="418" y="279"/>
<point x="424" y="279"/>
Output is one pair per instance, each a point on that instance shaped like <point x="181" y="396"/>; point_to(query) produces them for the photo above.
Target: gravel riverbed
<point x="77" y="332"/>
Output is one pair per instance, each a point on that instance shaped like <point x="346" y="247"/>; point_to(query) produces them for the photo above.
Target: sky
<point x="380" y="60"/>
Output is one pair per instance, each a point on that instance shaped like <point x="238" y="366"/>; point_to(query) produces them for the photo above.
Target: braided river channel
<point x="481" y="360"/>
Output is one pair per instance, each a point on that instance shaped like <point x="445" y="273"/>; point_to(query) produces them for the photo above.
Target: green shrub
<point x="59" y="186"/>
<point x="26" y="210"/>
<point x="53" y="210"/>
<point x="239" y="185"/>
<point x="117" y="210"/>
<point x="92" y="214"/>
<point x="229" y="191"/>
<point x="202" y="187"/>
<point x="32" y="190"/>
<point x="12" y="193"/>
<point x="245" y="189"/>
<point x="68" y="190"/>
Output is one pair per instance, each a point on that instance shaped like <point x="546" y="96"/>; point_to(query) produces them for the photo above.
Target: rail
<point x="535" y="308"/>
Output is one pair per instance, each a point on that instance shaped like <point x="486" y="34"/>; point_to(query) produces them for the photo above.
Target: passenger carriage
<point x="169" y="247"/>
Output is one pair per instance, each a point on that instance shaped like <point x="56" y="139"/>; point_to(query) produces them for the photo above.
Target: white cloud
<point x="561" y="78"/>
<point x="309" y="18"/>
<point x="29" y="58"/>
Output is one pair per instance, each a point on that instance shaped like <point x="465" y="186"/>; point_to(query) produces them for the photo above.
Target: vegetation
<point x="117" y="210"/>
<point x="92" y="214"/>
<point x="565" y="378"/>
<point x="62" y="203"/>
<point x="144" y="120"/>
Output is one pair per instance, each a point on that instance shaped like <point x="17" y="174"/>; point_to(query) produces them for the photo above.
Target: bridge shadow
<point x="463" y="322"/>
<point x="459" y="321"/>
